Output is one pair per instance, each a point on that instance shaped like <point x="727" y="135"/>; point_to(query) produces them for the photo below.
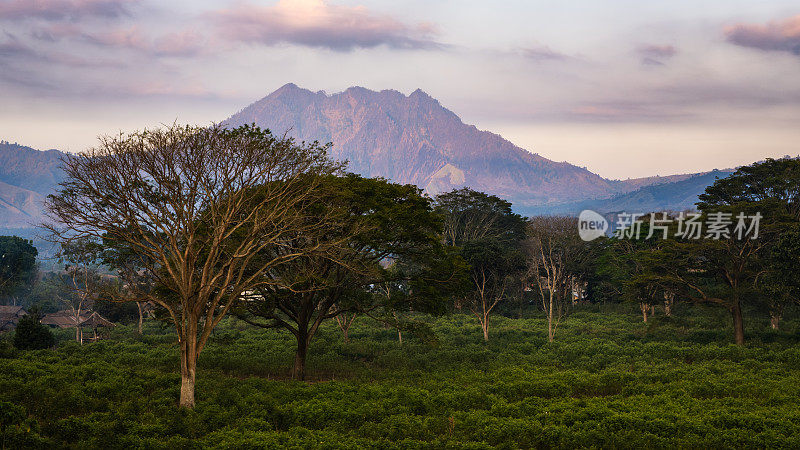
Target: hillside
<point x="27" y="176"/>
<point x="670" y="196"/>
<point x="414" y="139"/>
<point x="28" y="168"/>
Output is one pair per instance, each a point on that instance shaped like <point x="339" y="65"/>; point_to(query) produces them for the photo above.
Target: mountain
<point x="19" y="208"/>
<point x="414" y="139"/>
<point x="676" y="195"/>
<point x="27" y="176"/>
<point x="30" y="169"/>
<point x="404" y="138"/>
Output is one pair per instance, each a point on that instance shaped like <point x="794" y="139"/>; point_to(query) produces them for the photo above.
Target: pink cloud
<point x="315" y="23"/>
<point x="781" y="35"/>
<point x="64" y="9"/>
<point x="184" y="43"/>
<point x="131" y="38"/>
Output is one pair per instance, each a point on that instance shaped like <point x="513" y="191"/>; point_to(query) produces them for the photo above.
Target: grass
<point x="608" y="381"/>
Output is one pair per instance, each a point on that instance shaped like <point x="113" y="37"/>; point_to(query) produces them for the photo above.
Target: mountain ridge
<point x="411" y="139"/>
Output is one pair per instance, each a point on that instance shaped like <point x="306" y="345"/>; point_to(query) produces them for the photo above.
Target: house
<point x="9" y="317"/>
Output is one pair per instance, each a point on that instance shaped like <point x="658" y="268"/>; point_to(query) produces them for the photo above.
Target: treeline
<point x="211" y="222"/>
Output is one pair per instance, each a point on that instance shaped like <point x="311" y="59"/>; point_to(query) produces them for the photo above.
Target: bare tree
<point x="81" y="278"/>
<point x="175" y="197"/>
<point x="345" y="321"/>
<point x="553" y="246"/>
<point x="491" y="284"/>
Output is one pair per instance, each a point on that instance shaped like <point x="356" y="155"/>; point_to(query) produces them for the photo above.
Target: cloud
<point x="543" y="53"/>
<point x="781" y="35"/>
<point x="315" y="23"/>
<point x="131" y="38"/>
<point x="11" y="47"/>
<point x="622" y="110"/>
<point x="185" y="43"/>
<point x="63" y="9"/>
<point x="656" y="55"/>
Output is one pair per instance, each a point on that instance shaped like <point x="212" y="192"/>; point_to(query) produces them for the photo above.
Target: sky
<point x="625" y="88"/>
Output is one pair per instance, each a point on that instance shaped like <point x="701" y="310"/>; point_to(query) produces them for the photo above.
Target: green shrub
<point x="608" y="381"/>
<point x="32" y="335"/>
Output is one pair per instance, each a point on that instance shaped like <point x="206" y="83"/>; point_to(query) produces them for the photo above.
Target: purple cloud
<point x="63" y="9"/>
<point x="315" y="23"/>
<point x="185" y="43"/>
<point x="656" y="55"/>
<point x="781" y="35"/>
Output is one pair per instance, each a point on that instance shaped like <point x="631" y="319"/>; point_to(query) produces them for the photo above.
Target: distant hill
<point x="19" y="208"/>
<point x="677" y="195"/>
<point x="27" y="176"/>
<point x="30" y="169"/>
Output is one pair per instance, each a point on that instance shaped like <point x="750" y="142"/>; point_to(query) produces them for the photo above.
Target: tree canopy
<point x="17" y="264"/>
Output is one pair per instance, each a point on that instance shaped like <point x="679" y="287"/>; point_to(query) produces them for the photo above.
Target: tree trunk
<point x="299" y="366"/>
<point x="188" y="364"/>
<point x="774" y="320"/>
<point x="400" y="336"/>
<point x="550" y="319"/>
<point x="652" y="310"/>
<point x="188" y="371"/>
<point x="141" y="316"/>
<point x="668" y="299"/>
<point x="485" y="327"/>
<point x="738" y="322"/>
<point x="644" y="308"/>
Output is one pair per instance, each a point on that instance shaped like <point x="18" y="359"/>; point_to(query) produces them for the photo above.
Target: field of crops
<point x="608" y="380"/>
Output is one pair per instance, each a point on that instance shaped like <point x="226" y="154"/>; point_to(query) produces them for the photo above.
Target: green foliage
<point x="32" y="335"/>
<point x="488" y="236"/>
<point x="376" y="233"/>
<point x="17" y="264"/>
<point x="671" y="381"/>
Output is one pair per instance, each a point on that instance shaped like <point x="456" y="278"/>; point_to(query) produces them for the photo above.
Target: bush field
<point x="608" y="380"/>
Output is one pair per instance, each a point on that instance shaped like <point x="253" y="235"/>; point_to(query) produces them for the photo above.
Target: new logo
<point x="591" y="225"/>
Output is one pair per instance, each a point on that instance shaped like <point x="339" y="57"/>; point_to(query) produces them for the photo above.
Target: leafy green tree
<point x="18" y="267"/>
<point x="772" y="189"/>
<point x="739" y="264"/>
<point x="630" y="268"/>
<point x="30" y="334"/>
<point x="489" y="235"/>
<point x="780" y="283"/>
<point x="374" y="226"/>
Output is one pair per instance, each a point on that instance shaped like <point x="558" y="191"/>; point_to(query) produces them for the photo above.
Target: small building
<point x="87" y="319"/>
<point x="9" y="317"/>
